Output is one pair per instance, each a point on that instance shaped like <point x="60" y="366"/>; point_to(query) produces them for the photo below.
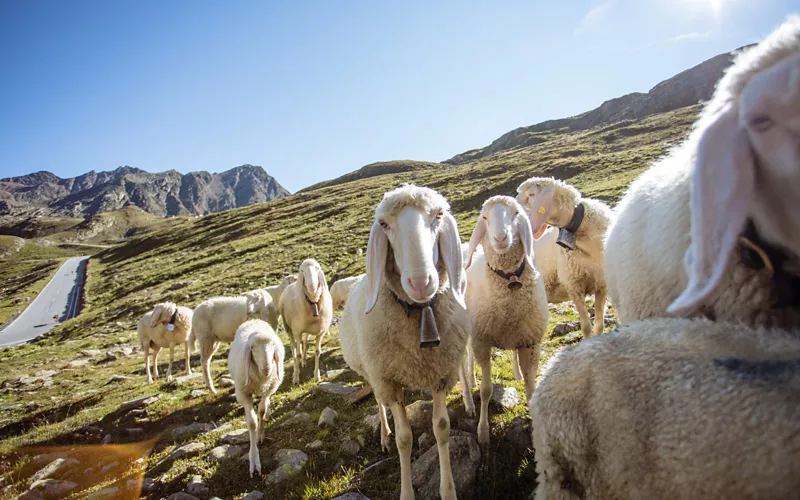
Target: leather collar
<point x="756" y="253"/>
<point x="174" y="316"/>
<point x="577" y="218"/>
<point x="513" y="278"/>
<point x="413" y="306"/>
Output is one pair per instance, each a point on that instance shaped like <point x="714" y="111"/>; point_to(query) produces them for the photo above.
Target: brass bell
<point x="514" y="283"/>
<point x="428" y="332"/>
<point x="314" y="309"/>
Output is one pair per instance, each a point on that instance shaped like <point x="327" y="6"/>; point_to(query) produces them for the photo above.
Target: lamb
<point x="405" y="325"/>
<point x="670" y="408"/>
<point x="341" y="289"/>
<point x="164" y="326"/>
<point x="306" y="308"/>
<point x="216" y="320"/>
<point x="711" y="229"/>
<point x="275" y="291"/>
<point x="255" y="361"/>
<point x="506" y="300"/>
<point x="585" y="220"/>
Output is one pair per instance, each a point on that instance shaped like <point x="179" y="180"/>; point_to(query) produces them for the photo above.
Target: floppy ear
<point x="541" y="210"/>
<point x="321" y="277"/>
<point x="301" y="281"/>
<point x="377" y="251"/>
<point x="476" y="238"/>
<point x="450" y="250"/>
<point x="722" y="186"/>
<point x="247" y="357"/>
<point x="277" y="357"/>
<point x="155" y="316"/>
<point x="525" y="236"/>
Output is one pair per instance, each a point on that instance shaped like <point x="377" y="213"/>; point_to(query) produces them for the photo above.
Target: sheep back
<point x="218" y="318"/>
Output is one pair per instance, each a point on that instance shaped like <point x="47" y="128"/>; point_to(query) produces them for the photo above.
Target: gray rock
<point x="239" y="436"/>
<point x="106" y="439"/>
<point x="351" y="496"/>
<point x="118" y="378"/>
<point x="253" y="495"/>
<point x="327" y="418"/>
<point x="226" y="382"/>
<point x="191" y="430"/>
<point x="337" y="389"/>
<point x="562" y="329"/>
<point x="467" y="425"/>
<point x="50" y="488"/>
<point x="519" y="433"/>
<point x="465" y="457"/>
<point x="110" y="356"/>
<point x="299" y="418"/>
<point x="226" y="452"/>
<point x="186" y="378"/>
<point x="147" y="484"/>
<point x="45" y="373"/>
<point x="46" y="458"/>
<point x="91" y="353"/>
<point x="138" y="403"/>
<point x="426" y="440"/>
<point x="55" y="469"/>
<point x="186" y="450"/>
<point x="335" y="373"/>
<point x="420" y="414"/>
<point x="350" y="447"/>
<point x="109" y="467"/>
<point x="198" y="393"/>
<point x="372" y="422"/>
<point x="79" y="363"/>
<point x="506" y="397"/>
<point x="135" y="432"/>
<point x="314" y="445"/>
<point x="290" y="463"/>
<point x="197" y="487"/>
<point x="182" y="496"/>
<point x="104" y="493"/>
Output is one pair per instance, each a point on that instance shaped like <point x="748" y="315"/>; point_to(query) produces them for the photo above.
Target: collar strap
<point x="314" y="305"/>
<point x="513" y="278"/>
<point x="174" y="315"/>
<point x="756" y="253"/>
<point x="309" y="300"/>
<point x="577" y="218"/>
<point x="413" y="306"/>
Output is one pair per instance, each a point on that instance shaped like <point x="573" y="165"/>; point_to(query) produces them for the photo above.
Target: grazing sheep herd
<point x="695" y="395"/>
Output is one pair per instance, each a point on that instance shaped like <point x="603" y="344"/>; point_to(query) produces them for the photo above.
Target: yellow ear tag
<point x="541" y="210"/>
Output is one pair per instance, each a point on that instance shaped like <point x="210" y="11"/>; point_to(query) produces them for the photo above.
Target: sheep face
<point x="288" y="280"/>
<point x="257" y="304"/>
<point x="311" y="279"/>
<point x="502" y="222"/>
<point x="162" y="313"/>
<point x="418" y="233"/>
<point x="748" y="155"/>
<point x="265" y="356"/>
<point x="536" y="195"/>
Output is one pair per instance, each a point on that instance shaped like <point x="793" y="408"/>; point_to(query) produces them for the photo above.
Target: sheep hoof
<point x="483" y="436"/>
<point x="169" y="378"/>
<point x="470" y="411"/>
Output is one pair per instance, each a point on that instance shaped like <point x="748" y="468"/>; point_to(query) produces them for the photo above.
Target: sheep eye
<point x="484" y="217"/>
<point x="762" y="123"/>
<point x="439" y="216"/>
<point x="383" y="224"/>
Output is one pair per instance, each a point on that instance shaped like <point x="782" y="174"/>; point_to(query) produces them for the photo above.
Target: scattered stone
<point x="198" y="393"/>
<point x="197" y="487"/>
<point x="506" y="397"/>
<point x="226" y="452"/>
<point x="110" y="356"/>
<point x="574" y="335"/>
<point x="45" y="373"/>
<point x="185" y="378"/>
<point x="91" y="353"/>
<point x="148" y="483"/>
<point x="351" y="496"/>
<point x="350" y="447"/>
<point x="239" y="436"/>
<point x="314" y="445"/>
<point x="299" y="418"/>
<point x="32" y="406"/>
<point x="12" y="407"/>
<point x="290" y="463"/>
<point x="360" y="439"/>
<point x="183" y="451"/>
<point x="327" y="418"/>
<point x="425" y="441"/>
<point x="337" y="389"/>
<point x="335" y="373"/>
<point x="465" y="457"/>
<point x="104" y="493"/>
<point x="420" y="414"/>
<point x="138" y="413"/>
<point x="106" y="439"/>
<point x="178" y="285"/>
<point x="182" y="496"/>
<point x="373" y="422"/>
<point x="191" y="430"/>
<point x="138" y="403"/>
<point x="562" y="329"/>
<point x="109" y="467"/>
<point x="79" y="363"/>
<point x="118" y="378"/>
<point x="226" y="382"/>
<point x="519" y="433"/>
<point x="49" y="488"/>
<point x="57" y="468"/>
<point x="253" y="495"/>
<point x="135" y="432"/>
<point x="467" y="425"/>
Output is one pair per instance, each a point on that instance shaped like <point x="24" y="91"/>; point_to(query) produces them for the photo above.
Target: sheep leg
<point x="466" y="388"/>
<point x="599" y="312"/>
<point x="515" y="364"/>
<point x="246" y="400"/>
<point x="529" y="364"/>
<point x="297" y="354"/>
<point x="207" y="350"/>
<point x="483" y="356"/>
<point x="146" y="350"/>
<point x="263" y="414"/>
<point x="404" y="439"/>
<point x="473" y="381"/>
<point x="586" y="322"/>
<point x="441" y="430"/>
<point x="385" y="431"/>
<point x="304" y="352"/>
<point x="316" y="357"/>
<point x="156" y="350"/>
<point x="171" y="359"/>
<point x="188" y="357"/>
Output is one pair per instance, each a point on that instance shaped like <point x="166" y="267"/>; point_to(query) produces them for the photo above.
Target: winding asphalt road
<point x="57" y="302"/>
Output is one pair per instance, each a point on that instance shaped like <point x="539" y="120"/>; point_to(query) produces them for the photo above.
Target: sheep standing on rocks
<point x="216" y="320"/>
<point x="506" y="301"/>
<point x="713" y="229"/>
<point x="405" y="325"/>
<point x="306" y="309"/>
<point x="275" y="291"/>
<point x="255" y="361"/>
<point x="341" y="289"/>
<point x="583" y="222"/>
<point x="164" y="326"/>
<point x="670" y="408"/>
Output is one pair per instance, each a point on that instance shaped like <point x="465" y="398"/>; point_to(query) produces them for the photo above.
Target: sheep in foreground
<point x="255" y="361"/>
<point x="216" y="320"/>
<point x="156" y="333"/>
<point x="306" y="309"/>
<point x="275" y="291"/>
<point x="670" y="408"/>
<point x="712" y="229"/>
<point x="506" y="301"/>
<point x="405" y="324"/>
<point x="580" y="270"/>
<point x="341" y="289"/>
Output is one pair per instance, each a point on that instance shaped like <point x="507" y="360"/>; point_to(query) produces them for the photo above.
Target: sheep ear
<point x="722" y="186"/>
<point x="246" y="357"/>
<point x="155" y="316"/>
<point x="301" y="281"/>
<point x="250" y="307"/>
<point x="277" y="357"/>
<point x="525" y="235"/>
<point x="377" y="251"/>
<point x="321" y="277"/>
<point x="476" y="238"/>
<point x="541" y="210"/>
<point x="450" y="250"/>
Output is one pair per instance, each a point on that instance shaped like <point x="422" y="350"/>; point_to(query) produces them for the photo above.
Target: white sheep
<point x="712" y="229"/>
<point x="164" y="326"/>
<point x="506" y="301"/>
<point x="306" y="309"/>
<point x="216" y="320"/>
<point x="275" y="291"/>
<point x="670" y="408"/>
<point x="341" y="289"/>
<point x="255" y="361"/>
<point x="580" y="270"/>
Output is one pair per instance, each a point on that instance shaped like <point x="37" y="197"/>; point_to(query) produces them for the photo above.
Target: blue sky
<point x="312" y="90"/>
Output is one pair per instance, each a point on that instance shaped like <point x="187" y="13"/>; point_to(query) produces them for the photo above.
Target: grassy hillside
<point x="229" y="252"/>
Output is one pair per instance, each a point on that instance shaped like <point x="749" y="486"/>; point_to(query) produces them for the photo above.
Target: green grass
<point x="233" y="251"/>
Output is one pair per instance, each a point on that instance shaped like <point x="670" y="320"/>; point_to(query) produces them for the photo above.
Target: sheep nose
<point x="419" y="283"/>
<point x="501" y="238"/>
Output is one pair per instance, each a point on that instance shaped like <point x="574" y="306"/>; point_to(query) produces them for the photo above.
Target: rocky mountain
<point x="684" y="89"/>
<point x="162" y="194"/>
